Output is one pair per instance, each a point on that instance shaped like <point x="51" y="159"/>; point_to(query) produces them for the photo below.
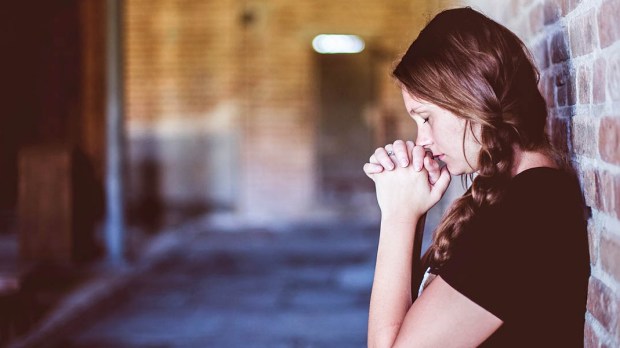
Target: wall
<point x="576" y="46"/>
<point x="222" y="107"/>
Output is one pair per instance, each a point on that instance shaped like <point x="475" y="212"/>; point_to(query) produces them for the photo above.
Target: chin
<point x="459" y="171"/>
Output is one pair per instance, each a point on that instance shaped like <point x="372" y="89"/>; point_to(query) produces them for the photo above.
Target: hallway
<point x="307" y="287"/>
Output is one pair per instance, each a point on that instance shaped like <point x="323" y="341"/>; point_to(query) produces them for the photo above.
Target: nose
<point x="423" y="137"/>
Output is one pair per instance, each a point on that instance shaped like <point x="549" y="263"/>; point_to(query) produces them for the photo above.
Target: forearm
<point x="391" y="289"/>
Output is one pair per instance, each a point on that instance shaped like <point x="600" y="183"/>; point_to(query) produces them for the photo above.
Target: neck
<point x="524" y="160"/>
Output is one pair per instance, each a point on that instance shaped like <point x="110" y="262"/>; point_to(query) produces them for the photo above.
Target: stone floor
<point x="305" y="287"/>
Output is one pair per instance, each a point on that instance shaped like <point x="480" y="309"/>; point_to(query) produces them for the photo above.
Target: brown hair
<point x="479" y="70"/>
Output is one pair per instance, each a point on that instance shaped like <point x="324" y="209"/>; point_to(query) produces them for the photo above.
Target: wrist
<point x="408" y="217"/>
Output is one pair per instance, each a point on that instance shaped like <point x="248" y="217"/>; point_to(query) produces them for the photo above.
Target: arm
<point x="391" y="291"/>
<point x="441" y="316"/>
<point x="387" y="263"/>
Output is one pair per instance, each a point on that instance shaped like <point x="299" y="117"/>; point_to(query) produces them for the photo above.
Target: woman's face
<point x="442" y="132"/>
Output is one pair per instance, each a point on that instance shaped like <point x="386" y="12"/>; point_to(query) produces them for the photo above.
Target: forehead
<point x="412" y="102"/>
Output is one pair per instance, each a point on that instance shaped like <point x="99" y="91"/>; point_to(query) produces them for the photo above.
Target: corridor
<point x="305" y="287"/>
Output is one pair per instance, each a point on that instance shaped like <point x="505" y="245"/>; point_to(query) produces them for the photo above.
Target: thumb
<point x="441" y="185"/>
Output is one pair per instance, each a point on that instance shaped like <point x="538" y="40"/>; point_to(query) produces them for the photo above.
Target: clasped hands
<point x="407" y="179"/>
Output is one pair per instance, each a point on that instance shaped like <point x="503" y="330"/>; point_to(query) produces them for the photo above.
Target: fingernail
<point x="418" y="166"/>
<point x="403" y="163"/>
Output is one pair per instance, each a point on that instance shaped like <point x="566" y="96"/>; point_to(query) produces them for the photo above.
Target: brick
<point x="583" y="133"/>
<point x="590" y="185"/>
<point x="565" y="86"/>
<point x="598" y="81"/>
<point x="609" y="139"/>
<point x="608" y="24"/>
<point x="512" y="7"/>
<point x="541" y="54"/>
<point x="605" y="191"/>
<point x="582" y="37"/>
<point x="584" y="84"/>
<point x="559" y="131"/>
<point x="602" y="303"/>
<point x="537" y="21"/>
<point x="550" y="91"/>
<point x="613" y="75"/>
<point x="552" y="12"/>
<point x="610" y="254"/>
<point x="558" y="48"/>
<point x="568" y="6"/>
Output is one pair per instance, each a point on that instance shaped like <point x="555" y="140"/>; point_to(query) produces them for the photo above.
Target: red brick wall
<point x="576" y="45"/>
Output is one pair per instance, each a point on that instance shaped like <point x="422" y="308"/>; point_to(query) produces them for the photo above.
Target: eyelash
<point x="425" y="120"/>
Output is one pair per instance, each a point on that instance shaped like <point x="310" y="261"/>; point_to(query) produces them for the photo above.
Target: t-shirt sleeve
<point x="481" y="269"/>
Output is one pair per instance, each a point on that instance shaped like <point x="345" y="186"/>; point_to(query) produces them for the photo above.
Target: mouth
<point x="438" y="157"/>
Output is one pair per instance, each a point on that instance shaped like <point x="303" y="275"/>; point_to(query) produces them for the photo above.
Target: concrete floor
<point x="306" y="287"/>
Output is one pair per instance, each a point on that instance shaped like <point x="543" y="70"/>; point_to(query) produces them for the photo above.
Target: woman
<point x="510" y="257"/>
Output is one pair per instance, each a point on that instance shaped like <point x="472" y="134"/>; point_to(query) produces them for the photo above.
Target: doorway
<point x="345" y="92"/>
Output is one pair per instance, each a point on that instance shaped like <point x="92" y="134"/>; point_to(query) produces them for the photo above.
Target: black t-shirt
<point x="526" y="260"/>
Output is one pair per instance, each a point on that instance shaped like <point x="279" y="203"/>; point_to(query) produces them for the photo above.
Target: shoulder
<point x="540" y="204"/>
<point x="545" y="193"/>
<point x="542" y="208"/>
<point x="542" y="181"/>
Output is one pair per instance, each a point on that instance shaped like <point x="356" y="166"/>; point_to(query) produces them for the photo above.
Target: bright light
<point x="330" y="43"/>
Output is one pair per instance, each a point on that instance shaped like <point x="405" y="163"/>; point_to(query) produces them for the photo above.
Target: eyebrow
<point x="412" y="111"/>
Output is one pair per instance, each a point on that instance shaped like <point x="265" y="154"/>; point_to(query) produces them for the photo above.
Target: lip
<point x="440" y="156"/>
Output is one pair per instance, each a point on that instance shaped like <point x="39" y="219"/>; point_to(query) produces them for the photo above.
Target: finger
<point x="432" y="167"/>
<point x="371" y="168"/>
<point x="373" y="159"/>
<point x="410" y="145"/>
<point x="441" y="185"/>
<point x="383" y="158"/>
<point x="400" y="151"/>
<point x="418" y="154"/>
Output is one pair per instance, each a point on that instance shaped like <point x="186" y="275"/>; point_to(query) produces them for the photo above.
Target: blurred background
<point x="216" y="131"/>
<point x="222" y="108"/>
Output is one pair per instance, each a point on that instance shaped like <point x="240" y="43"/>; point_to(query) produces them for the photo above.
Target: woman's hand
<point x="404" y="189"/>
<point x="402" y="156"/>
